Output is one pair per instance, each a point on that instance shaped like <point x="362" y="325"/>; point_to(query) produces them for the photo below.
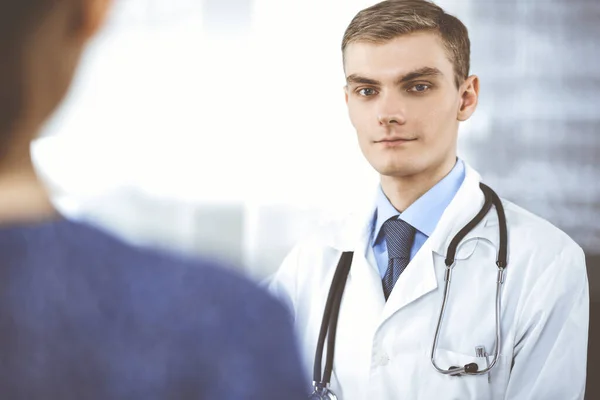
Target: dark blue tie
<point x="399" y="238"/>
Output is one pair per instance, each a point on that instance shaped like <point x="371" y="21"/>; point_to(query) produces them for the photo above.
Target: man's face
<point x="403" y="101"/>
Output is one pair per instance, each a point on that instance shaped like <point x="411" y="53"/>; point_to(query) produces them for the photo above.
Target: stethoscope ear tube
<point x="502" y="260"/>
<point x="487" y="205"/>
<point x="329" y="322"/>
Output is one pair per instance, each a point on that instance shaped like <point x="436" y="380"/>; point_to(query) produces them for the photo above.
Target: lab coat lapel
<point x="365" y="293"/>
<point x="417" y="280"/>
<point x="364" y="280"/>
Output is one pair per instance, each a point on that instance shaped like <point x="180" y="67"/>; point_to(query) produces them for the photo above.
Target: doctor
<point x="408" y="87"/>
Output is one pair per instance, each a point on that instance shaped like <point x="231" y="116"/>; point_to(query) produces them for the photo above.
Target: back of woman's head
<point x="40" y="46"/>
<point x="17" y="21"/>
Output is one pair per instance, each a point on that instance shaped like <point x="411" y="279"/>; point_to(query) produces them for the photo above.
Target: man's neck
<point x="404" y="191"/>
<point x="23" y="197"/>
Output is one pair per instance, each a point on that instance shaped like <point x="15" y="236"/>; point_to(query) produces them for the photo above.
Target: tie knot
<point x="399" y="237"/>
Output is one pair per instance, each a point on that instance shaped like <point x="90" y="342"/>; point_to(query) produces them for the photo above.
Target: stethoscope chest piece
<point x="322" y="393"/>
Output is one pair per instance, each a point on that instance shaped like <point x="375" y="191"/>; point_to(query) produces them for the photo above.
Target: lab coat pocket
<point x="446" y="387"/>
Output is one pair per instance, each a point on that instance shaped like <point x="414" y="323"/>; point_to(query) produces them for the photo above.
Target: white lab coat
<point x="383" y="348"/>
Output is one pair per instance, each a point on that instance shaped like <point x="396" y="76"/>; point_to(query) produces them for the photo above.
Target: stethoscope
<point x="334" y="298"/>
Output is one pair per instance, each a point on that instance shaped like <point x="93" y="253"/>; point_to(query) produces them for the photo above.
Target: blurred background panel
<point x="218" y="126"/>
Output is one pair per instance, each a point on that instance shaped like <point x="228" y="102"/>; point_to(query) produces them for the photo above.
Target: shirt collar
<point x="425" y="213"/>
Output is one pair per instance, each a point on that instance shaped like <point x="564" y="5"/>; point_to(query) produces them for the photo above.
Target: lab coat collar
<point x="354" y="232"/>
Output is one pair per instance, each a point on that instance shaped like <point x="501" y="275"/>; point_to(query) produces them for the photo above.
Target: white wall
<point x="235" y="144"/>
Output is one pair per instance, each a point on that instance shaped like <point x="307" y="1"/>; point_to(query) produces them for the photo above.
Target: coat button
<point x="383" y="360"/>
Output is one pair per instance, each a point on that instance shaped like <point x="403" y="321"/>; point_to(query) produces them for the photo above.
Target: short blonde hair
<point x="392" y="18"/>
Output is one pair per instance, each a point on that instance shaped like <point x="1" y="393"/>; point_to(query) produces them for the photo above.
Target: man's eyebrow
<point x="419" y="73"/>
<point x="357" y="80"/>
<point x="410" y="76"/>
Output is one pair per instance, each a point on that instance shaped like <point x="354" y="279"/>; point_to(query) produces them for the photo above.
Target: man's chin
<point x="399" y="171"/>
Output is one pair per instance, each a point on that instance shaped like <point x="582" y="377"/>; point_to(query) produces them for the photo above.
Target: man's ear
<point x="468" y="99"/>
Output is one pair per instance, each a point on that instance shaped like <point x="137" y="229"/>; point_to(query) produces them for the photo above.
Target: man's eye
<point x="420" y="88"/>
<point x="366" y="92"/>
